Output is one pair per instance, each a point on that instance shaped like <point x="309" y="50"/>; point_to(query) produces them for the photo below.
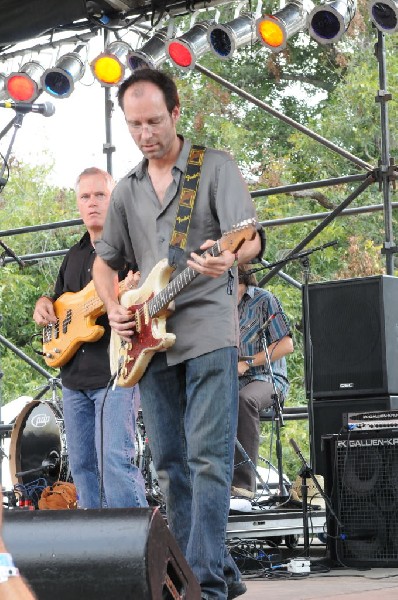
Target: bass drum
<point x="38" y="445"/>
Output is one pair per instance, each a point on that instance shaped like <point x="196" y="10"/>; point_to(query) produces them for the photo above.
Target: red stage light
<point x="21" y="88"/>
<point x="180" y="54"/>
<point x="24" y="86"/>
<point x="185" y="50"/>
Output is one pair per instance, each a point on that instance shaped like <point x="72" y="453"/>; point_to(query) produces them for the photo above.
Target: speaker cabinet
<point x="327" y="418"/>
<point x="354" y="334"/>
<point x="362" y="482"/>
<point x="99" y="554"/>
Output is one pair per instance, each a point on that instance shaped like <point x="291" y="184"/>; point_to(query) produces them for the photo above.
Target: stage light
<point x="59" y="81"/>
<point x="225" y="39"/>
<point x="109" y="67"/>
<point x="329" y="21"/>
<point x="384" y="15"/>
<point x="185" y="50"/>
<point x="273" y="31"/>
<point x="25" y="85"/>
<point x="152" y="54"/>
<point x="3" y="90"/>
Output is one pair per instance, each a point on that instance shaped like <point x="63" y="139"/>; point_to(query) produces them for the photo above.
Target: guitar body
<point x="130" y="359"/>
<point x="76" y="313"/>
<point x="150" y="306"/>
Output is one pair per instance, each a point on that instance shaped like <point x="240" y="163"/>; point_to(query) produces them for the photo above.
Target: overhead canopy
<point x="27" y="19"/>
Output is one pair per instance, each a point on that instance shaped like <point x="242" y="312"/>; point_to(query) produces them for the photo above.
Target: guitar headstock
<point x="233" y="240"/>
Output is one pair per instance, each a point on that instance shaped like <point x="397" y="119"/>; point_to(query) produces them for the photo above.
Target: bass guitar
<point x="149" y="305"/>
<point x="77" y="313"/>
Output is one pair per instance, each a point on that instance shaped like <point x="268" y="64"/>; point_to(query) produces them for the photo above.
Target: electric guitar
<point x="149" y="305"/>
<point x="77" y="313"/>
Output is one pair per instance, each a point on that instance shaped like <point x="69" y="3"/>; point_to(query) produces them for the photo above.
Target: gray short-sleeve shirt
<point x="138" y="230"/>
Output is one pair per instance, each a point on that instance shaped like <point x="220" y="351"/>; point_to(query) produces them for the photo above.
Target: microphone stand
<point x="306" y="472"/>
<point x="279" y="421"/>
<point x="17" y="123"/>
<point x="296" y="256"/>
<point x="304" y="259"/>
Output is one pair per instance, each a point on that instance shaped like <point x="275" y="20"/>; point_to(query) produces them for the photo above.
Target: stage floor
<point x="356" y="586"/>
<point x="350" y="584"/>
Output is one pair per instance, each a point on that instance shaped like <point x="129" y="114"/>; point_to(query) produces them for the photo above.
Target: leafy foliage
<point x="28" y="201"/>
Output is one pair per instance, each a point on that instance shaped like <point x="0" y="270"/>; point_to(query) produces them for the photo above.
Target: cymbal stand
<point x="53" y="384"/>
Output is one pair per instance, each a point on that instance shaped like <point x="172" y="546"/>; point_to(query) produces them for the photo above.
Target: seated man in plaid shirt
<point x="255" y="307"/>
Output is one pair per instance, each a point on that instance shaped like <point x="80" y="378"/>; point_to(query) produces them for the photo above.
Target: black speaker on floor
<point x="362" y="482"/>
<point x="328" y="419"/>
<point x="354" y="333"/>
<point x="99" y="554"/>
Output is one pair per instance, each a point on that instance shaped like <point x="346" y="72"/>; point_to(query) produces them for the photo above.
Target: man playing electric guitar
<point x="86" y="374"/>
<point x="189" y="393"/>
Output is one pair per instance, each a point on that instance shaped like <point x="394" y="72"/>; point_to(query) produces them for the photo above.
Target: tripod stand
<point x="306" y="472"/>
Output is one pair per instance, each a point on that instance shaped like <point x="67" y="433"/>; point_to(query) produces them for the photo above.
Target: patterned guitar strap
<point x="188" y="195"/>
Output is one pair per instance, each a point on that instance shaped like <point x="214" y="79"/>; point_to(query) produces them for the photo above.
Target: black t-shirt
<point x="89" y="367"/>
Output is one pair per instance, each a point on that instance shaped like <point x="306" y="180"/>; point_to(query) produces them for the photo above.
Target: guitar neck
<point x="174" y="287"/>
<point x="94" y="303"/>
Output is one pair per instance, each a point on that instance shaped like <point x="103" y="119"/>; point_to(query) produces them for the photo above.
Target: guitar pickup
<point x="137" y="319"/>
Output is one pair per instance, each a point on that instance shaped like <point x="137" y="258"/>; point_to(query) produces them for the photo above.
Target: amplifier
<point x="361" y="480"/>
<point x="368" y="421"/>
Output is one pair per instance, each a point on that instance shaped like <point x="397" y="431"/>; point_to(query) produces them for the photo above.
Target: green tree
<point x="27" y="200"/>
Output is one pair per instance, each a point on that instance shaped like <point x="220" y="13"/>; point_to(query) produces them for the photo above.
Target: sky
<point x="74" y="135"/>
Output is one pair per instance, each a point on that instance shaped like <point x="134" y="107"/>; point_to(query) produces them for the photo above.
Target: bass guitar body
<point x="76" y="313"/>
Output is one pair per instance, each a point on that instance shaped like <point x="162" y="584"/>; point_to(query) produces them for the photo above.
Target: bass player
<point x="85" y="376"/>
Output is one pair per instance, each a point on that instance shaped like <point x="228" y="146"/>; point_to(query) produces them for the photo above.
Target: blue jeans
<point x="190" y="414"/>
<point x="122" y="481"/>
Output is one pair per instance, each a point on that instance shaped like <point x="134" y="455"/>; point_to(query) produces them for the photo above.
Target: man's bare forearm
<point x="250" y="249"/>
<point x="105" y="281"/>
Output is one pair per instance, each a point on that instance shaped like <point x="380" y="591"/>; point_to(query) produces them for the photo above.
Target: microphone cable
<point x="101" y="457"/>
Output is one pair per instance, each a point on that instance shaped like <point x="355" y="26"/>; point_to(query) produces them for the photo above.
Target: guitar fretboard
<point x="174" y="287"/>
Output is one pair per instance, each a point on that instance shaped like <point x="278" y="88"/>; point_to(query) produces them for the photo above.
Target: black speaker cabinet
<point x="327" y="418"/>
<point x="99" y="554"/>
<point x="362" y="482"/>
<point x="354" y="333"/>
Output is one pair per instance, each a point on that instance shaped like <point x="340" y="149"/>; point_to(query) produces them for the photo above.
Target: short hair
<point x="244" y="276"/>
<point x="95" y="171"/>
<point x="158" y="78"/>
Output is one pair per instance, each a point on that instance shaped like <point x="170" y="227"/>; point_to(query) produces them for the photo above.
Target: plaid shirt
<point x="255" y="307"/>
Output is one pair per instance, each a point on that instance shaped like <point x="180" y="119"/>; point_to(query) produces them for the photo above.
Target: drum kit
<point x="38" y="449"/>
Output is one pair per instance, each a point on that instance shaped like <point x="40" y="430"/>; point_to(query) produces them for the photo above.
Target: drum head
<point x="36" y="444"/>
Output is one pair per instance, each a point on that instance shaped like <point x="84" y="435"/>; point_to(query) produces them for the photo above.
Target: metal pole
<point x="108" y="148"/>
<point x="319" y="228"/>
<point x="284" y="118"/>
<point x="308" y="185"/>
<point x="25" y="357"/>
<point x="386" y="162"/>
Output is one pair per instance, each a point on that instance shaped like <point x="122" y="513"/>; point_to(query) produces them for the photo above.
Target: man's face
<point x="152" y="127"/>
<point x="93" y="196"/>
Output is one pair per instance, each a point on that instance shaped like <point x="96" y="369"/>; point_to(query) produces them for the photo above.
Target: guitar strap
<point x="188" y="194"/>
